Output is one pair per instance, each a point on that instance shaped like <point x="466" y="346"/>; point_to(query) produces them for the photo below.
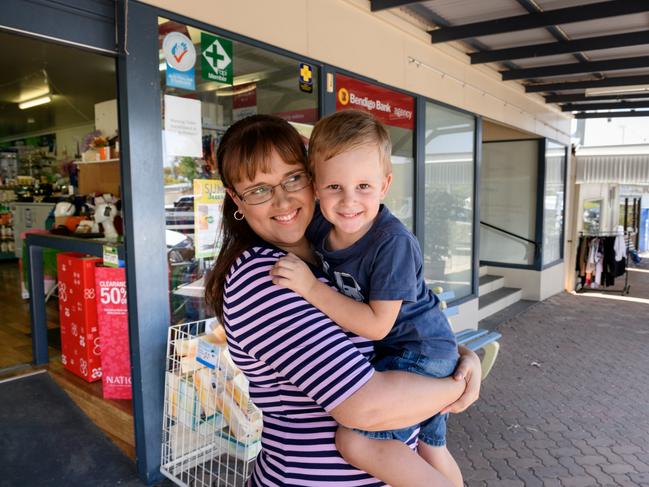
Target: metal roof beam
<point x="583" y="97"/>
<point x="376" y="5"/>
<point x="564" y="47"/>
<point x="576" y="68"/>
<point x="612" y="114"/>
<point x="596" y="83"/>
<point x="580" y="13"/>
<point x="573" y="107"/>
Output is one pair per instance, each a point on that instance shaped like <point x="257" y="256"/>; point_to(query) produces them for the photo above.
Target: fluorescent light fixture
<point x="34" y="102"/>
<point x="619" y="90"/>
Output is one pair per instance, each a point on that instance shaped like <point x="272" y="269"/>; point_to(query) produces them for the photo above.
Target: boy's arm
<point x="372" y="321"/>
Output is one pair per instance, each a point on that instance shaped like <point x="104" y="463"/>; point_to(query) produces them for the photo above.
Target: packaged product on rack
<point x="212" y="430"/>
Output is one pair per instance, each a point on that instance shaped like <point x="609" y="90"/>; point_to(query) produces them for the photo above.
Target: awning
<point x="620" y="169"/>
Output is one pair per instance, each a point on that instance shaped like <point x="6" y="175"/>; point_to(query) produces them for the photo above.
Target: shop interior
<point x="59" y="175"/>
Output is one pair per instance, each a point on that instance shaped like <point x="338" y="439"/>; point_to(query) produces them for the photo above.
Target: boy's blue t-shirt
<point x="386" y="264"/>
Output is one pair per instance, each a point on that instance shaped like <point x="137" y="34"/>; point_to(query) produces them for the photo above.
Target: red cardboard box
<point x="112" y="316"/>
<point x="80" y="352"/>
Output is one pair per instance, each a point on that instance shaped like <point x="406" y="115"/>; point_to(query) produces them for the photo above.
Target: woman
<point x="305" y="373"/>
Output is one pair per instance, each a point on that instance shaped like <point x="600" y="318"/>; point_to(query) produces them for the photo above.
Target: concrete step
<point x="493" y="322"/>
<point x="483" y="270"/>
<point x="489" y="283"/>
<point x="497" y="300"/>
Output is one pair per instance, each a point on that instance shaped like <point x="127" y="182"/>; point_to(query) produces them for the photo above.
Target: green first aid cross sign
<point x="216" y="59"/>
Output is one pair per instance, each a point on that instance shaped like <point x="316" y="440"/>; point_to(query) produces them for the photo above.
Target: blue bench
<point x="473" y="339"/>
<point x="481" y="339"/>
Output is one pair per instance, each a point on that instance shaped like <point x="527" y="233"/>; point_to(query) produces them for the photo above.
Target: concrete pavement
<point x="567" y="403"/>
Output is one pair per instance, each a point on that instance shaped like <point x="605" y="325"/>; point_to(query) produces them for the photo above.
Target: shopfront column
<point x="139" y="116"/>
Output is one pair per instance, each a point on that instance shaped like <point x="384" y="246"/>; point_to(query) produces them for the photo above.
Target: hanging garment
<point x="610" y="272"/>
<point x="599" y="262"/>
<point x="590" y="260"/>
<point x="620" y="247"/>
<point x="582" y="256"/>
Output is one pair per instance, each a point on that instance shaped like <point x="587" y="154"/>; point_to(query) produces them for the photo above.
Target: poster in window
<point x="208" y="203"/>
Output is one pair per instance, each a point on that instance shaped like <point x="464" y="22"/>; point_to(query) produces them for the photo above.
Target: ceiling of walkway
<point x="590" y="57"/>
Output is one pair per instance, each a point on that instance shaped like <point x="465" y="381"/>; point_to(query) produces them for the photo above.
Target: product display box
<point x="112" y="317"/>
<point x="80" y="350"/>
<point x="99" y="177"/>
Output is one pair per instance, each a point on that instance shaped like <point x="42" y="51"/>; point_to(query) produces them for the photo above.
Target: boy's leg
<point x="432" y="434"/>
<point x="440" y="458"/>
<point x="391" y="461"/>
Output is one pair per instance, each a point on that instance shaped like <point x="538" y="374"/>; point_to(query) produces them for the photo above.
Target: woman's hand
<point x="469" y="370"/>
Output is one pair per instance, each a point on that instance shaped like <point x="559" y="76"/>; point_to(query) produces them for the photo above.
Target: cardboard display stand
<point x="112" y="317"/>
<point x="80" y="351"/>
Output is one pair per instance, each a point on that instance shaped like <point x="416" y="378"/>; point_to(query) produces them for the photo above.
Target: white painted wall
<point x="467" y="318"/>
<point x="535" y="285"/>
<point x="570" y="230"/>
<point x="346" y="34"/>
<point x="552" y="280"/>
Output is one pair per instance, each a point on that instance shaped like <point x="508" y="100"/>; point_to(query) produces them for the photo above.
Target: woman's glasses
<point x="262" y="194"/>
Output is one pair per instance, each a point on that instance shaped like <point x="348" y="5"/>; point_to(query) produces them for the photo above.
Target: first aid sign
<point x="216" y="59"/>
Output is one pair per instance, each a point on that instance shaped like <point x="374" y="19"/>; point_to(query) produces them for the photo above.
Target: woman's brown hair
<point x="243" y="152"/>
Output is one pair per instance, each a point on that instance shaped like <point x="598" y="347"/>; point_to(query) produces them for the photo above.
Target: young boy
<point x="373" y="259"/>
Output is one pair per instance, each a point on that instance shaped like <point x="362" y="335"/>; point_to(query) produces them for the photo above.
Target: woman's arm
<point x="380" y="404"/>
<point x="393" y="399"/>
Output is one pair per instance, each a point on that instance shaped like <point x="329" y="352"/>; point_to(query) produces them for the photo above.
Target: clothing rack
<point x="627" y="240"/>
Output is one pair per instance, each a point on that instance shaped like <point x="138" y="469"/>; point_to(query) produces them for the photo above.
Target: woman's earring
<point x="238" y="216"/>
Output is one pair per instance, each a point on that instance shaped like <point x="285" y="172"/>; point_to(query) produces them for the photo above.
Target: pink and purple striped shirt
<point x="300" y="365"/>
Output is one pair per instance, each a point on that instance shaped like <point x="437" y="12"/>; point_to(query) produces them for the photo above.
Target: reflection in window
<point x="208" y="83"/>
<point x="448" y="211"/>
<point x="591" y="216"/>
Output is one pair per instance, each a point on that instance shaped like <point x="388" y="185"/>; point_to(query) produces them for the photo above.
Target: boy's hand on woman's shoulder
<point x="293" y="273"/>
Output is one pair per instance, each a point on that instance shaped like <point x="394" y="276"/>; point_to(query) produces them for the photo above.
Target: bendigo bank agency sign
<point x="390" y="107"/>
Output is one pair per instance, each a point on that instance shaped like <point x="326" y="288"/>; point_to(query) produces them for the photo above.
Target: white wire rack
<point x="211" y="430"/>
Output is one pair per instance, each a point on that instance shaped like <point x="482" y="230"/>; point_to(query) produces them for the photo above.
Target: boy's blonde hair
<point x="347" y="130"/>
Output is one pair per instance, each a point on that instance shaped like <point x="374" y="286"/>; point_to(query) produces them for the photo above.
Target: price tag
<point x="207" y="353"/>
<point x="111" y="258"/>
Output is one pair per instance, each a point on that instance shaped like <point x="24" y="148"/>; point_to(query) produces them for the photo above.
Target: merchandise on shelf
<point x="7" y="245"/>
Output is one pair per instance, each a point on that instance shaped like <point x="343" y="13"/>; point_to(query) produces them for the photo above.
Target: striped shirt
<point x="300" y="366"/>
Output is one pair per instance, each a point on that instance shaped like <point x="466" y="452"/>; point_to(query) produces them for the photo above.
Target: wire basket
<point x="211" y="430"/>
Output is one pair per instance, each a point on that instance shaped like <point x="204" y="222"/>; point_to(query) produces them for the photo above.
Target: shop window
<point x="397" y="112"/>
<point x="448" y="207"/>
<point x="208" y="83"/>
<point x="555" y="162"/>
<point x="508" y="189"/>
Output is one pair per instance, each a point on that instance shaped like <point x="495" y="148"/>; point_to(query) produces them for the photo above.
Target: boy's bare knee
<point x="351" y="446"/>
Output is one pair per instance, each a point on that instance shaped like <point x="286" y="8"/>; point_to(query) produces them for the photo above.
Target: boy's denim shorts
<point x="433" y="430"/>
